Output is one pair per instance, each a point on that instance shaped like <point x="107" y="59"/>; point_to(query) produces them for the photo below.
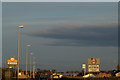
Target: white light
<point x="31" y="53"/>
<point x="28" y="45"/>
<point x="20" y="74"/>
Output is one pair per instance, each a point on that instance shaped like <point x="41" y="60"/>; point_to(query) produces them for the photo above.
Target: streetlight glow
<point x="21" y="26"/>
<point x="28" y="45"/>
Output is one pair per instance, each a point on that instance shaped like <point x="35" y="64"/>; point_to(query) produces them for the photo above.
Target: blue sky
<point x="62" y="35"/>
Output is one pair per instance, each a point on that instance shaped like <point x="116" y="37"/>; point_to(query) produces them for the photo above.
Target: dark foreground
<point x="106" y="78"/>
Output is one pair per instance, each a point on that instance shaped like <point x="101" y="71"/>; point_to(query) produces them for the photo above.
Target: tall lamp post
<point x="31" y="63"/>
<point x="27" y="57"/>
<point x="33" y="67"/>
<point x="19" y="30"/>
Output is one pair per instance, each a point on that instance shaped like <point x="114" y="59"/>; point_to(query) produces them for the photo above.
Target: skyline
<point x="62" y="34"/>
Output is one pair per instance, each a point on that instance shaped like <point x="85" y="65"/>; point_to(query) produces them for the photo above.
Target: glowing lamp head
<point x="21" y="26"/>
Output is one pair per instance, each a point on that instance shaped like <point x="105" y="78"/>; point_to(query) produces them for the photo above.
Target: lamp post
<point x="27" y="57"/>
<point x="19" y="30"/>
<point x="31" y="59"/>
<point x="33" y="67"/>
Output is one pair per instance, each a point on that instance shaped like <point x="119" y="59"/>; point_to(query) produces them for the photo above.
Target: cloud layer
<point x="74" y="35"/>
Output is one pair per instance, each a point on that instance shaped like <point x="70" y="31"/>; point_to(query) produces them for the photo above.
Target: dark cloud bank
<point x="73" y="35"/>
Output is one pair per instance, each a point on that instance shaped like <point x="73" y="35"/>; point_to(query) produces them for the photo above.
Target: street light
<point x="31" y="59"/>
<point x="27" y="57"/>
<point x="33" y="67"/>
<point x="19" y="30"/>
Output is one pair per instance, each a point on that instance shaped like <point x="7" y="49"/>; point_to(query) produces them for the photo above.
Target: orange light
<point x="21" y="26"/>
